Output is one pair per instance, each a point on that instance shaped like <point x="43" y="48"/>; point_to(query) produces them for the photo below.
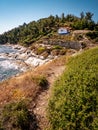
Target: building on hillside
<point x="63" y="31"/>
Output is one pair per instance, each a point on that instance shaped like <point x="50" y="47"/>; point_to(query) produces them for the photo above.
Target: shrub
<point x="63" y="51"/>
<point x="17" y="117"/>
<point x="83" y="44"/>
<point x="40" y="50"/>
<point x="92" y="35"/>
<point x="74" y="104"/>
<point x="96" y="39"/>
<point x="57" y="47"/>
<point x="79" y="37"/>
<point x="40" y="81"/>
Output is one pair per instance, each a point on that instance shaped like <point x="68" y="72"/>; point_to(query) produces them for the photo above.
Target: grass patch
<point x="74" y="103"/>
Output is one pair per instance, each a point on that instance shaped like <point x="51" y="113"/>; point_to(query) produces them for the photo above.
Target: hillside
<point x="24" y="98"/>
<point x="74" y="101"/>
<point x="32" y="88"/>
<point x="27" y="34"/>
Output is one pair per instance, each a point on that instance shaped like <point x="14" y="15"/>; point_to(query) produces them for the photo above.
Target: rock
<point x="71" y="52"/>
<point x="17" y="47"/>
<point x="55" y="52"/>
<point x="45" y="55"/>
<point x="7" y="53"/>
<point x="21" y="59"/>
<point x="51" y="57"/>
<point x="28" y="52"/>
<point x="41" y="57"/>
<point x="33" y="61"/>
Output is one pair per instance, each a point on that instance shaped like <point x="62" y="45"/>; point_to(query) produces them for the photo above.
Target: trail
<point x="52" y="71"/>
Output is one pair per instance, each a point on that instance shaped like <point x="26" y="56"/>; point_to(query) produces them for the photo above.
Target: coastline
<point x="19" y="60"/>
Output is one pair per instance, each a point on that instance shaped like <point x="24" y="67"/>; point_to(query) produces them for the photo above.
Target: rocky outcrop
<point x="25" y="58"/>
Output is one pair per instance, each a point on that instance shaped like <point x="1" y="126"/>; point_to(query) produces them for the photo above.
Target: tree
<point x="62" y="17"/>
<point x="82" y="15"/>
<point x="57" y="18"/>
<point x="88" y="16"/>
<point x="71" y="18"/>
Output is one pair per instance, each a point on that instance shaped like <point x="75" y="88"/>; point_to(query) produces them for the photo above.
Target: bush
<point x="57" y="47"/>
<point x="92" y="35"/>
<point x="63" y="51"/>
<point x="40" y="81"/>
<point x="74" y="104"/>
<point x="83" y="44"/>
<point x="40" y="50"/>
<point x="79" y="37"/>
<point x="15" y="116"/>
<point x="96" y="39"/>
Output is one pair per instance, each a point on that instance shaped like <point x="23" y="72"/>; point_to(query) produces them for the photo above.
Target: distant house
<point x="63" y="31"/>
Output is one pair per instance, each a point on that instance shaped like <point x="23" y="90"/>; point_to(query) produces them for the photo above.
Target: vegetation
<point x="29" y="33"/>
<point x="93" y="35"/>
<point x="15" y="116"/>
<point x="40" y="50"/>
<point x="40" y="81"/>
<point x="74" y="103"/>
<point x="57" y="47"/>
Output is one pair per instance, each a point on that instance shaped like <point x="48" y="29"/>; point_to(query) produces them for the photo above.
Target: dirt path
<point x="22" y="87"/>
<point x="52" y="71"/>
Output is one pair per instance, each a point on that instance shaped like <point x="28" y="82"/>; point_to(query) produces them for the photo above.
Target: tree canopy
<point x="26" y="34"/>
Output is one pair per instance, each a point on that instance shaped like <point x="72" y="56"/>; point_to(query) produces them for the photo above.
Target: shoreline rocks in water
<point x="15" y="59"/>
<point x="28" y="56"/>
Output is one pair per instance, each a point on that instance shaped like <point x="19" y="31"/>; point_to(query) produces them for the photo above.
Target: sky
<point x="16" y="12"/>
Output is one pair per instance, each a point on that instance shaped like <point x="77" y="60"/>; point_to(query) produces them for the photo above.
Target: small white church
<point x="63" y="31"/>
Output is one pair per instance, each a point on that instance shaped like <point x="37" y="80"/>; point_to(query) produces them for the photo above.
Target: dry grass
<point x="23" y="86"/>
<point x="18" y="88"/>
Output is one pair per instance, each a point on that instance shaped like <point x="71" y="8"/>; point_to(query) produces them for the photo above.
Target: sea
<point x="8" y="66"/>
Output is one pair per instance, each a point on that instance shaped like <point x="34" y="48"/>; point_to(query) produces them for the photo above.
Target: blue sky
<point x="15" y="12"/>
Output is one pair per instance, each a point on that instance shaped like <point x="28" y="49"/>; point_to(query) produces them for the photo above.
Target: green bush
<point x="83" y="44"/>
<point x="40" y="81"/>
<point x="92" y="35"/>
<point x="74" y="103"/>
<point x="79" y="37"/>
<point x="57" y="47"/>
<point x="96" y="39"/>
<point x="15" y="116"/>
<point x="40" y="50"/>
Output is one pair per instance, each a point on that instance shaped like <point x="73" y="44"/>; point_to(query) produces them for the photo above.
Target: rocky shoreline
<point x="15" y="59"/>
<point x="20" y="59"/>
<point x="28" y="57"/>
